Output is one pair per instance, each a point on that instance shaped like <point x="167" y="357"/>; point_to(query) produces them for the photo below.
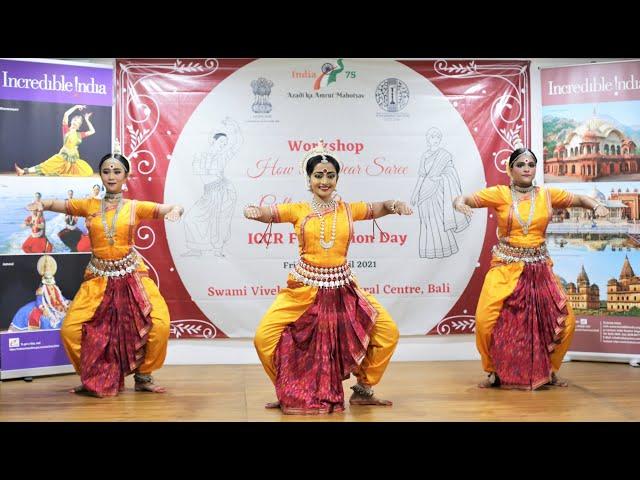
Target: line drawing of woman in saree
<point x="207" y="223"/>
<point x="67" y="161"/>
<point x="49" y="308"/>
<point x="438" y="184"/>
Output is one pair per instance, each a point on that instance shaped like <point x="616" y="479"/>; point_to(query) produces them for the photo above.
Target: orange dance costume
<point x="323" y="326"/>
<point x="67" y="161"/>
<point x="37" y="241"/>
<point x="118" y="321"/>
<point x="524" y="324"/>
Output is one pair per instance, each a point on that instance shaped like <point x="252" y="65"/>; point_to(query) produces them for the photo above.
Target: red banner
<point x="157" y="98"/>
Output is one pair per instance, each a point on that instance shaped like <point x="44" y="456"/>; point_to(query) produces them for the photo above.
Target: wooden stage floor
<point x="421" y="391"/>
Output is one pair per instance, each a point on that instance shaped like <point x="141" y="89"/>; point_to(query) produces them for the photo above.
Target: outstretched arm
<point x="261" y="214"/>
<point x="380" y="209"/>
<point x="170" y="212"/>
<point x="464" y="204"/>
<point x="584" y="201"/>
<point x="57" y="206"/>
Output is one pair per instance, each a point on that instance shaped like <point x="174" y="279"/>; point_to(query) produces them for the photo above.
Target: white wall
<point x="410" y="348"/>
<point x="235" y="351"/>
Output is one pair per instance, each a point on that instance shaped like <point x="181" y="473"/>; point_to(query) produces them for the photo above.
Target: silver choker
<point x="113" y="197"/>
<point x="523" y="189"/>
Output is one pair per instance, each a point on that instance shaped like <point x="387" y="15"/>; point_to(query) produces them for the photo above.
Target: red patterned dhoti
<point x="321" y="349"/>
<point x="529" y="328"/>
<point x="114" y="340"/>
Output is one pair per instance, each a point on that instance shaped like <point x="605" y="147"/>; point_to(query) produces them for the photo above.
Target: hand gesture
<point x="403" y="209"/>
<point x="601" y="211"/>
<point x="35" y="206"/>
<point x="463" y="208"/>
<point x="252" y="212"/>
<point x="174" y="214"/>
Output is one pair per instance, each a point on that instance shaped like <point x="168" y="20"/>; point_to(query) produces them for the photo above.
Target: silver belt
<point x="511" y="254"/>
<point x="323" y="277"/>
<point x="114" y="268"/>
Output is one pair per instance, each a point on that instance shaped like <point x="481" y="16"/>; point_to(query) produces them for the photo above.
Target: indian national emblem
<point x="392" y="94"/>
<point x="261" y="90"/>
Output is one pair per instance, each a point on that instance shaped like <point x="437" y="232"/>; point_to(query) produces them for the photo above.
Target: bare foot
<point x="82" y="390"/>
<point x="78" y="389"/>
<point x="357" y="399"/>
<point x="557" y="381"/>
<point x="19" y="171"/>
<point x="275" y="404"/>
<point x="144" y="383"/>
<point x="363" y="395"/>
<point x="149" y="387"/>
<point x="491" y="381"/>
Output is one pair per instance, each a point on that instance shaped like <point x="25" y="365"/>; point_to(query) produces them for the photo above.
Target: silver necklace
<point x="514" y="199"/>
<point x="523" y="189"/>
<point x="113" y="197"/>
<point x="315" y="205"/>
<point x="110" y="233"/>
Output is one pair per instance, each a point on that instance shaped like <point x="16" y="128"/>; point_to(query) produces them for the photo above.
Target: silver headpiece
<point x="319" y="149"/>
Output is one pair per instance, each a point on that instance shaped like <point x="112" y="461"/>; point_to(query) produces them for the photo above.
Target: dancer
<point x="323" y="326"/>
<point x="524" y="324"/>
<point x="118" y="322"/>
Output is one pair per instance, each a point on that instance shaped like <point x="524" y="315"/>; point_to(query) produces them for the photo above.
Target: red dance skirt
<point x="114" y="340"/>
<point x="37" y="245"/>
<point x="84" y="244"/>
<point x="321" y="349"/>
<point x="528" y="329"/>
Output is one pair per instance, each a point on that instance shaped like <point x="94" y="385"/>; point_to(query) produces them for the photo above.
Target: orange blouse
<point x="307" y="227"/>
<point x="509" y="229"/>
<point x="130" y="215"/>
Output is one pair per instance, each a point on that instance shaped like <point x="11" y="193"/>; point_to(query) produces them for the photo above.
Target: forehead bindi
<point x="324" y="169"/>
<point x="112" y="166"/>
<point x="527" y="161"/>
